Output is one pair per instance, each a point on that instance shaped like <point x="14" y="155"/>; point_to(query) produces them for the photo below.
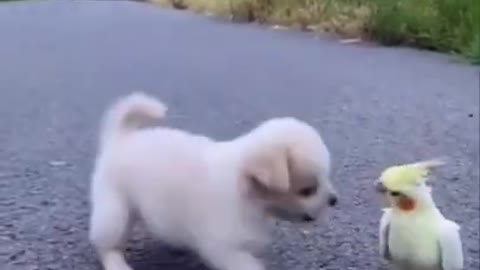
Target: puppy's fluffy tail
<point x="130" y="113"/>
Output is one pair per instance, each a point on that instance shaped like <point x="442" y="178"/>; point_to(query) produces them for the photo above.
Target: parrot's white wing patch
<point x="451" y="246"/>
<point x="383" y="234"/>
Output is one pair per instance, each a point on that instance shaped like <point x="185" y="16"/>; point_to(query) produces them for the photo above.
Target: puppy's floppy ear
<point x="269" y="168"/>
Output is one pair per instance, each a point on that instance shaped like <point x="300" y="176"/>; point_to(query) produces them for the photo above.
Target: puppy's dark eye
<point x="307" y="192"/>
<point x="395" y="193"/>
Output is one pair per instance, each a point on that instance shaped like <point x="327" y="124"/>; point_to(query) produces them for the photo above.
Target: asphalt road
<point x="61" y="62"/>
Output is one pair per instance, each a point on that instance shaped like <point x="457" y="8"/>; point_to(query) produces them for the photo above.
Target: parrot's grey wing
<point x="383" y="234"/>
<point x="451" y="247"/>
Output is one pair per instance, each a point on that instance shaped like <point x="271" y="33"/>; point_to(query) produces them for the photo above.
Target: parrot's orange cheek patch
<point x="406" y="204"/>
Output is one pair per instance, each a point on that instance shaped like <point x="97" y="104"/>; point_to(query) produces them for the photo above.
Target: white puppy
<point x="194" y="192"/>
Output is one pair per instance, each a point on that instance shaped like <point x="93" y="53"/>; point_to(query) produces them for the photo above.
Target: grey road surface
<point x="62" y="62"/>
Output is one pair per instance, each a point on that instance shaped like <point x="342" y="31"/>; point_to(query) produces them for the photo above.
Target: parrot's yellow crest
<point x="402" y="176"/>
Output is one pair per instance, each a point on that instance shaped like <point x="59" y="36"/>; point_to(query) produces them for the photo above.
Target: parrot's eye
<point x="395" y="193"/>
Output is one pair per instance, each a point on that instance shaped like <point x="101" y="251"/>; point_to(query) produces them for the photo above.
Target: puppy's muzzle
<point x="307" y="218"/>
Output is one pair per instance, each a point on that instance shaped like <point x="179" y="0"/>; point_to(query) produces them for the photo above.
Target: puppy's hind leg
<point x="110" y="224"/>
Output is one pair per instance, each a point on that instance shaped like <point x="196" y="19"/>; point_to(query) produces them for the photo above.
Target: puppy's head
<point x="288" y="171"/>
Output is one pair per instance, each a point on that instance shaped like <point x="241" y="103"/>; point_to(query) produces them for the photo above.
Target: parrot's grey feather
<point x="450" y="245"/>
<point x="384" y="234"/>
<point x="431" y="163"/>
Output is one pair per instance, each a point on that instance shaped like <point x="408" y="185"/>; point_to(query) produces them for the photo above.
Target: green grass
<point x="451" y="26"/>
<point x="444" y="25"/>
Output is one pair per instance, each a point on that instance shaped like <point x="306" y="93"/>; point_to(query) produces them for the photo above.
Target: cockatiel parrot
<point x="414" y="234"/>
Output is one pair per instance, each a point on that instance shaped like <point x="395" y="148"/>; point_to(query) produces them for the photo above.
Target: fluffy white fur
<point x="192" y="191"/>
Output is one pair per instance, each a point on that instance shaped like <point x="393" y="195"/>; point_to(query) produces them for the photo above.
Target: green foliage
<point x="444" y="25"/>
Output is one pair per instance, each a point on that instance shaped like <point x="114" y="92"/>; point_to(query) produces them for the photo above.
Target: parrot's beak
<point x="379" y="187"/>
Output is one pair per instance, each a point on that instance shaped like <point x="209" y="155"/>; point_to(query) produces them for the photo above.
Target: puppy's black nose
<point x="333" y="200"/>
<point x="307" y="218"/>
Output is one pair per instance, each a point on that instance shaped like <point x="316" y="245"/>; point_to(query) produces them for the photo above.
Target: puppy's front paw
<point x="245" y="261"/>
<point x="114" y="260"/>
<point x="227" y="259"/>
